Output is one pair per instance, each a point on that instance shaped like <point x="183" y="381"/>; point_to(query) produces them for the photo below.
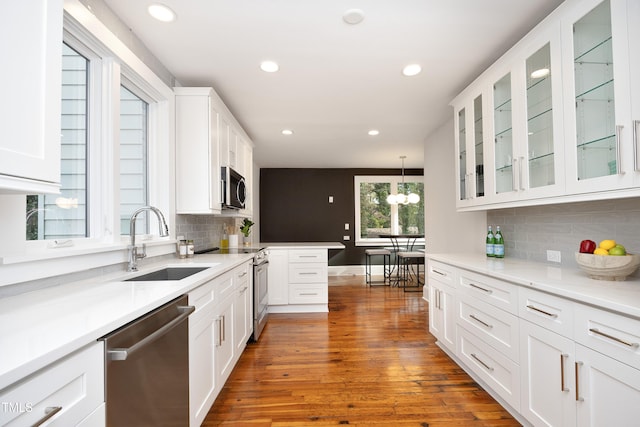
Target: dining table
<point x="396" y="243"/>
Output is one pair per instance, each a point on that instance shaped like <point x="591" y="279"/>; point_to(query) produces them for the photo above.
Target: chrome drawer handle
<point x="473" y="285"/>
<point x="481" y="362"/>
<point x="480" y="321"/>
<point x="308" y="293"/>
<point x="49" y="412"/>
<point x="578" y="398"/>
<point x="616" y="339"/>
<point x="546" y="313"/>
<point x="307" y="273"/>
<point x="439" y="272"/>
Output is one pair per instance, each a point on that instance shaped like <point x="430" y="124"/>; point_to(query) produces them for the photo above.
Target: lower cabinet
<point x="550" y="360"/>
<point x="298" y="280"/>
<point x="67" y="393"/>
<point x="218" y="332"/>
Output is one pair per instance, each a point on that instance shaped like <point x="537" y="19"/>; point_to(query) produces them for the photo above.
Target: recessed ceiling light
<point x="411" y="70"/>
<point x="161" y="12"/>
<point x="542" y="72"/>
<point x="353" y="16"/>
<point x="373" y="132"/>
<point x="287" y="132"/>
<point x="269" y="66"/>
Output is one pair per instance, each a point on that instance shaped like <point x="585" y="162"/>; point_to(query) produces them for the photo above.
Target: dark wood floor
<point x="370" y="361"/>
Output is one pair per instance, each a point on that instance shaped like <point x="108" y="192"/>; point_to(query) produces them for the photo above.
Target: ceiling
<point x="336" y="80"/>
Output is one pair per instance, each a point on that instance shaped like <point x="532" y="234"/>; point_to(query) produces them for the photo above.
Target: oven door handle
<point x="123" y="353"/>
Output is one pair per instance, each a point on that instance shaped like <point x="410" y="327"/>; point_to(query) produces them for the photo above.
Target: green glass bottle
<point x="490" y="243"/>
<point x="498" y="246"/>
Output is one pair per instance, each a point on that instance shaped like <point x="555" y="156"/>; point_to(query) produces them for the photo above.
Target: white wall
<point x="445" y="229"/>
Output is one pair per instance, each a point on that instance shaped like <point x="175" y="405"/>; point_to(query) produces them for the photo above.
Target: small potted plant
<point x="245" y="229"/>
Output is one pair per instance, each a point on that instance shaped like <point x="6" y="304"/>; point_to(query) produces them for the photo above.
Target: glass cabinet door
<point x="503" y="138"/>
<point x="597" y="153"/>
<point x="478" y="143"/>
<point x="540" y="142"/>
<point x="462" y="150"/>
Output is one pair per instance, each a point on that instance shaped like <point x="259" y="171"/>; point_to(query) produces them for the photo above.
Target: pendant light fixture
<point x="402" y="198"/>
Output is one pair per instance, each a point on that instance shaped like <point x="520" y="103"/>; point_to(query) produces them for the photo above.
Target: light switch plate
<point x="554" y="256"/>
<point x="330" y="199"/>
<point x="346" y="226"/>
<point x="346" y="238"/>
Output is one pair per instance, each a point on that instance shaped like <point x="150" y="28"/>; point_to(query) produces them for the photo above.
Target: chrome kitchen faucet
<point x="133" y="250"/>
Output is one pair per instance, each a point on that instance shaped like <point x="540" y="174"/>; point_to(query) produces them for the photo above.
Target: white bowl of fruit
<point x="606" y="261"/>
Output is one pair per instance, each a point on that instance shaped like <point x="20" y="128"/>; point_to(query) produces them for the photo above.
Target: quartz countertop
<point x="621" y="297"/>
<point x="302" y="245"/>
<point x="39" y="327"/>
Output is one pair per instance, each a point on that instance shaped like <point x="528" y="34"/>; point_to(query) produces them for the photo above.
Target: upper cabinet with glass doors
<point x="563" y="114"/>
<point x="470" y="152"/>
<point x="601" y="135"/>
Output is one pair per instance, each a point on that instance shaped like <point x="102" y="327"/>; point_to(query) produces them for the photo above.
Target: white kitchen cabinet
<point x="66" y="393"/>
<point x="298" y="280"/>
<point x="202" y="369"/>
<point x="607" y="390"/>
<point x="243" y="310"/>
<point x="198" y="135"/>
<point x="471" y="149"/>
<point x="442" y="320"/>
<point x="547" y="359"/>
<point x="278" y="277"/>
<point x="562" y="109"/>
<point x="601" y="133"/>
<point x="30" y="144"/>
<point x="224" y="342"/>
<point x="206" y="138"/>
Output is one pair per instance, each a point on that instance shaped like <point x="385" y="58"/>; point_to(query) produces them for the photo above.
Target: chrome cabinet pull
<point x="481" y="321"/>
<point x="224" y="327"/>
<point x="219" y="322"/>
<point x="439" y="299"/>
<point x="616" y="339"/>
<point x="123" y="353"/>
<point x="439" y="272"/>
<point x="481" y="362"/>
<point x="49" y="412"/>
<point x="562" y="357"/>
<point x="546" y="313"/>
<point x="578" y="398"/>
<point x="520" y="172"/>
<point x="618" y="154"/>
<point x="514" y="162"/>
<point x="308" y="293"/>
<point x="473" y="285"/>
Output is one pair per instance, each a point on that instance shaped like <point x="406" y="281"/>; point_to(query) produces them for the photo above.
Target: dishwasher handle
<point x="123" y="353"/>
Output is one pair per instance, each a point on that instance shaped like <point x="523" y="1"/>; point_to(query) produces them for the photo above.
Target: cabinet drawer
<point x="497" y="328"/>
<point x="74" y="384"/>
<point x="443" y="273"/>
<point x="549" y="311"/>
<point x="308" y="255"/>
<point x="308" y="273"/>
<point x="308" y="294"/>
<point x="202" y="296"/>
<point x="493" y="291"/>
<point x="612" y="334"/>
<point x="500" y="373"/>
<point x="224" y="286"/>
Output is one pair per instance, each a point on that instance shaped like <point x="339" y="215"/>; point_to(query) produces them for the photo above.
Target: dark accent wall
<point x="294" y="207"/>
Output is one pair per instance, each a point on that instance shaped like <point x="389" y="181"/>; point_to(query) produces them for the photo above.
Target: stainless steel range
<point x="260" y="292"/>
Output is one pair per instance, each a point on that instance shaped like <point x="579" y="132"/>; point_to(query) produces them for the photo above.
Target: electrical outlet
<point x="346" y="237"/>
<point x="553" y="256"/>
<point x="330" y="199"/>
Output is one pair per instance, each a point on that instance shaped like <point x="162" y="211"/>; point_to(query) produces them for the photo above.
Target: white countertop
<point x="37" y="328"/>
<point x="622" y="297"/>
<point x="302" y="245"/>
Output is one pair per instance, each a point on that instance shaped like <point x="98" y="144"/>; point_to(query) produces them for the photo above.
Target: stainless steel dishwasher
<point x="147" y="369"/>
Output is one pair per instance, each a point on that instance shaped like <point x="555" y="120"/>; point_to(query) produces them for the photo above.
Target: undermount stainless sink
<point x="168" y="273"/>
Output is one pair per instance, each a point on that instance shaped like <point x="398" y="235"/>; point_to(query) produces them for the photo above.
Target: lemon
<point x="607" y="244"/>
<point x="601" y="251"/>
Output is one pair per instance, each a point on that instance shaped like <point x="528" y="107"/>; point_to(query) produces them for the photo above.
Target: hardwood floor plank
<point x="370" y="361"/>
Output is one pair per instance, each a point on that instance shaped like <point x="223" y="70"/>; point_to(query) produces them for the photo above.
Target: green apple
<point x="617" y="250"/>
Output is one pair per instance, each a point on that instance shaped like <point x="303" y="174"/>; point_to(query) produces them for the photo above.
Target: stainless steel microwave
<point x="234" y="189"/>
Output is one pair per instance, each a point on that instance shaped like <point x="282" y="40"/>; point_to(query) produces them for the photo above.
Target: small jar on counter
<point x="190" y="248"/>
<point x="182" y="249"/>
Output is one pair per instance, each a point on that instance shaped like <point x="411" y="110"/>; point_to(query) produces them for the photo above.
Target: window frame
<point x="393" y="180"/>
<point x="104" y="246"/>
